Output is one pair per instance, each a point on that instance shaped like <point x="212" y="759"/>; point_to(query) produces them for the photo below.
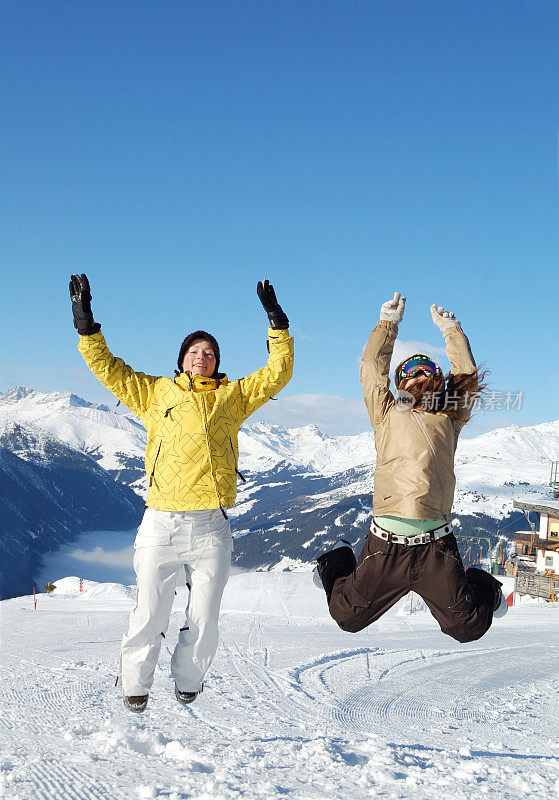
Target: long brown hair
<point x="451" y="393"/>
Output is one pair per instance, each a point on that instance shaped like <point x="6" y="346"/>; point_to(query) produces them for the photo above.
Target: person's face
<point x="199" y="359"/>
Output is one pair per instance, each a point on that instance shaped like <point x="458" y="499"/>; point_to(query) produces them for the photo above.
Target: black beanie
<point x="194" y="337"/>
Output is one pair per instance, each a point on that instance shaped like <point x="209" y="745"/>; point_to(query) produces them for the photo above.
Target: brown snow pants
<point x="385" y="572"/>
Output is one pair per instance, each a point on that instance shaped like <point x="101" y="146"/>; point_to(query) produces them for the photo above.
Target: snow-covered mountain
<point x="49" y="491"/>
<point x="490" y="468"/>
<point x="115" y="441"/>
<point x="303" y="487"/>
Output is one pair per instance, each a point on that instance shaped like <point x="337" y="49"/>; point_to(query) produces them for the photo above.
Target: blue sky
<point x="177" y="152"/>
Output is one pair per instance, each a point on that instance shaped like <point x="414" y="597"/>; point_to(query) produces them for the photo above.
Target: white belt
<point x="419" y="538"/>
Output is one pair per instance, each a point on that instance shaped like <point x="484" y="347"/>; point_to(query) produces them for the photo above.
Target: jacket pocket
<point x="236" y="461"/>
<point x="166" y="410"/>
<point x="387" y="491"/>
<point x="151" y="473"/>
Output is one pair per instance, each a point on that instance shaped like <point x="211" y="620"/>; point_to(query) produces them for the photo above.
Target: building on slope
<point x="536" y="565"/>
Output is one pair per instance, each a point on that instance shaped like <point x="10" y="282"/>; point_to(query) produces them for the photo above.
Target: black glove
<point x="267" y="296"/>
<point x="80" y="295"/>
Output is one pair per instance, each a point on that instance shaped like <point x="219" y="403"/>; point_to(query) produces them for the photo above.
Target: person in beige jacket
<point x="410" y="544"/>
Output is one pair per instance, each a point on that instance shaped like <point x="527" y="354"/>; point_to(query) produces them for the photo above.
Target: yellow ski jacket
<point x="192" y="422"/>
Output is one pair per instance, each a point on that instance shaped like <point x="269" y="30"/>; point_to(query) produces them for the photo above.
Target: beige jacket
<point x="414" y="475"/>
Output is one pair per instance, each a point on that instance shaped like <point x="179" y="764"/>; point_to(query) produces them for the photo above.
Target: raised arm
<point x="260" y="386"/>
<point x="457" y="344"/>
<point x="134" y="389"/>
<point x="460" y="356"/>
<point x="375" y="364"/>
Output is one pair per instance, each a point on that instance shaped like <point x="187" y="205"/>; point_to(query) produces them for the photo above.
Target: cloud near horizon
<point x="333" y="414"/>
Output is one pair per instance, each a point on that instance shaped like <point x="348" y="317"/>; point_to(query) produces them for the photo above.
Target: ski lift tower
<point x="554" y="479"/>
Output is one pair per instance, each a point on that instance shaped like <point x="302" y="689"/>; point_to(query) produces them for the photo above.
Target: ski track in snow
<point x="293" y="707"/>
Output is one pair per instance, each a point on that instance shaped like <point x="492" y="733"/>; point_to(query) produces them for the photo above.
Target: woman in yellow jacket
<point x="192" y="422"/>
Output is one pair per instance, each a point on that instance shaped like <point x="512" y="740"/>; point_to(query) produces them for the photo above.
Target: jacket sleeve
<point x="375" y="371"/>
<point x="258" y="387"/>
<point x="461" y="362"/>
<point x="134" y="389"/>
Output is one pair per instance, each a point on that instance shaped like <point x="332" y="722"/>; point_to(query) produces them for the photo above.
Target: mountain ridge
<point x="304" y="487"/>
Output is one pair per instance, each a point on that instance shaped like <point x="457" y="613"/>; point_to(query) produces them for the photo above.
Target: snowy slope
<point x="55" y="451"/>
<point x="292" y="707"/>
<point x="503" y="463"/>
<point x="263" y="446"/>
<point x="49" y="493"/>
<point x="489" y="468"/>
<point x="106" y="436"/>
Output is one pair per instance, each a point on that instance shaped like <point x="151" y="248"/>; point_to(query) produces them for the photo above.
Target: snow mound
<point x="287" y="564"/>
<point x="71" y="586"/>
<point x="112" y="591"/>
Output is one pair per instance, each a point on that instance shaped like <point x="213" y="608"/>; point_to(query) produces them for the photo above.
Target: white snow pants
<point x="201" y="543"/>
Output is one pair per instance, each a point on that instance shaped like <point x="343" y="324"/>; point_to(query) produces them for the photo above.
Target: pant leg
<point x="209" y="562"/>
<point x="380" y="579"/>
<point x="461" y="604"/>
<point x="156" y="574"/>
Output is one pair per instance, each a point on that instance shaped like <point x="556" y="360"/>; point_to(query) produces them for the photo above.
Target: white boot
<point x="502" y="608"/>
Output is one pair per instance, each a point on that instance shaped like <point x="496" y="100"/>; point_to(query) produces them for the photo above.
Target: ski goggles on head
<point x="413" y="365"/>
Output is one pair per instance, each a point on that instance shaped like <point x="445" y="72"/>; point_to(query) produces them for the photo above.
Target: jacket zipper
<point x="205" y="420"/>
<point x="241" y="476"/>
<point x="432" y="448"/>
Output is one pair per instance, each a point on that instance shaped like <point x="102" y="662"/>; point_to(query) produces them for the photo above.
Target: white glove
<point x="393" y="310"/>
<point x="443" y="319"/>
